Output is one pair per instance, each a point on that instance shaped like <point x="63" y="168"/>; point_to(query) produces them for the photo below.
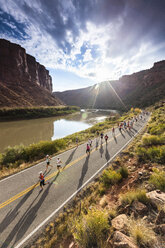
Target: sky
<point x="83" y="42"/>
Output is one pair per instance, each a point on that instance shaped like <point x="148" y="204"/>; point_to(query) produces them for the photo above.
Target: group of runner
<point x="124" y="125"/>
<point x="42" y="175"/>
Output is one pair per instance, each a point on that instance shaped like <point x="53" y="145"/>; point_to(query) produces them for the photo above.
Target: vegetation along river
<point x="32" y="131"/>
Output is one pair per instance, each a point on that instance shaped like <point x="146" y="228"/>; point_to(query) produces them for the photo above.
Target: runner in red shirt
<point x="106" y="138"/>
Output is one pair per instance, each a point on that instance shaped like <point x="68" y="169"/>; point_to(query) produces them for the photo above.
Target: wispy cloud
<point x="98" y="39"/>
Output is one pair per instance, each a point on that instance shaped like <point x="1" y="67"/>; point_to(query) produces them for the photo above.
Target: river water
<point x="32" y="131"/>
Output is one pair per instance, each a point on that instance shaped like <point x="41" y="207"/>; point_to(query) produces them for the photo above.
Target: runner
<point x="106" y="138"/>
<point x="88" y="149"/>
<point x="113" y="131"/>
<point x="76" y="141"/>
<point x="101" y="136"/>
<point x="42" y="180"/>
<point x="97" y="143"/>
<point x="59" y="162"/>
<point x="120" y="128"/>
<point x="125" y="125"/>
<point x="48" y="162"/>
<point x="90" y="142"/>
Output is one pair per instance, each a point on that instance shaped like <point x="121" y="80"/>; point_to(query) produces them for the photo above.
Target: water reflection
<point x="32" y="131"/>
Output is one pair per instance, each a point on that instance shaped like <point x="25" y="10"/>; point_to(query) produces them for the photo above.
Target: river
<point x="32" y="131"/>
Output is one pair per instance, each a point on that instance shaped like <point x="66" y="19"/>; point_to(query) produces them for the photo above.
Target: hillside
<point x="23" y="81"/>
<point x="136" y="90"/>
<point x="124" y="206"/>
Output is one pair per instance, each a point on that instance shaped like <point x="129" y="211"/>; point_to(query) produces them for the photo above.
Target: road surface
<point x="25" y="209"/>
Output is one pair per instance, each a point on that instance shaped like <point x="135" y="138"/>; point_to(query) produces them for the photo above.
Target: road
<point x="25" y="209"/>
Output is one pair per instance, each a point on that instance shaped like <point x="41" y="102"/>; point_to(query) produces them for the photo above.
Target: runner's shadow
<point x="58" y="173"/>
<point x="27" y="219"/>
<point x="101" y="150"/>
<point x="70" y="158"/>
<point x="12" y="214"/>
<point x="45" y="174"/>
<point x="107" y="156"/>
<point x="135" y="130"/>
<point x="129" y="133"/>
<point x="115" y="139"/>
<point x="84" y="171"/>
<point x="122" y="134"/>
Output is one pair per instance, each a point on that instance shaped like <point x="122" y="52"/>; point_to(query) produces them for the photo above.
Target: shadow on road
<point x="70" y="158"/>
<point x="115" y="139"/>
<point x="27" y="219"/>
<point x="84" y="171"/>
<point x="101" y="150"/>
<point x="122" y="134"/>
<point x="12" y="214"/>
<point x="107" y="156"/>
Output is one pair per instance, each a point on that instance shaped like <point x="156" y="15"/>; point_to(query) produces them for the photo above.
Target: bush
<point x="134" y="195"/>
<point x="149" y="140"/>
<point x="154" y="154"/>
<point x="156" y="128"/>
<point x="158" y="179"/>
<point x="123" y="172"/>
<point x="110" y="177"/>
<point x="142" y="234"/>
<point x="91" y="230"/>
<point x="32" y="152"/>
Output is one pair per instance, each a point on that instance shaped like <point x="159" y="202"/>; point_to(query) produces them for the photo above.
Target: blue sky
<point x="83" y="42"/>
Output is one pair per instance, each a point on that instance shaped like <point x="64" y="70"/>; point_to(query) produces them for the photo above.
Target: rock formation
<point x="137" y="90"/>
<point x="23" y="81"/>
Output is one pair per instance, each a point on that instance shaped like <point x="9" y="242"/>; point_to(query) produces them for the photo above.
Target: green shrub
<point x="134" y="195"/>
<point x="158" y="179"/>
<point x="156" y="128"/>
<point x="142" y="234"/>
<point x="123" y="171"/>
<point x="149" y="140"/>
<point x="32" y="152"/>
<point x="154" y="154"/>
<point x="91" y="230"/>
<point x="110" y="177"/>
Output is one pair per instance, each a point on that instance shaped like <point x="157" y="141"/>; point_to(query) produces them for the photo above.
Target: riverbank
<point x="10" y="114"/>
<point x="20" y="157"/>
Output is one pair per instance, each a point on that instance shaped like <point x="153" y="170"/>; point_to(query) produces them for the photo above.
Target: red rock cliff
<point x="23" y="81"/>
<point x="16" y="66"/>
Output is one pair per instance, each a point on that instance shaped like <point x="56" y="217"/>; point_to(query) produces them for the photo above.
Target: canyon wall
<point x="139" y="89"/>
<point x="17" y="66"/>
<point x="23" y="81"/>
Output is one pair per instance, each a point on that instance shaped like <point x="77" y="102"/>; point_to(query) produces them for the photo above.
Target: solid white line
<point x="62" y="205"/>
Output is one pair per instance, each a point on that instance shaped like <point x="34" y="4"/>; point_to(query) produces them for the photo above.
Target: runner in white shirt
<point x="59" y="162"/>
<point x="48" y="162"/>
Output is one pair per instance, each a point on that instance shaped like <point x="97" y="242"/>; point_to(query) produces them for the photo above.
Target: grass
<point x="91" y="230"/>
<point x="158" y="179"/>
<point x="134" y="195"/>
<point x="152" y="148"/>
<point x="123" y="171"/>
<point x="153" y="154"/>
<point x="142" y="234"/>
<point x="35" y="112"/>
<point x="14" y="157"/>
<point x="110" y="177"/>
<point x="150" y="140"/>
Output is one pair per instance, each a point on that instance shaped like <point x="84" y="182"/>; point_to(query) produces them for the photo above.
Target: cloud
<point x="92" y="38"/>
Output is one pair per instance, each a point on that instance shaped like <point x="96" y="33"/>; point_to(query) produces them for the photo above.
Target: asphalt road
<point x="25" y="209"/>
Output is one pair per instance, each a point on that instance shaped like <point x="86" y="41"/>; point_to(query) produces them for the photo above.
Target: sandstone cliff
<point x="136" y="90"/>
<point x="23" y="81"/>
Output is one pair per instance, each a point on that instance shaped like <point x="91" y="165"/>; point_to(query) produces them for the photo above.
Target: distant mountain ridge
<point x="139" y="89"/>
<point x="23" y="81"/>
